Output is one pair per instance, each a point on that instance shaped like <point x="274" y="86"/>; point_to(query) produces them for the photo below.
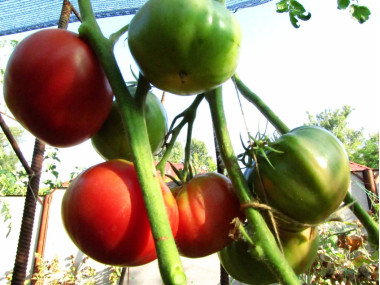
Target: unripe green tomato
<point x="111" y="140"/>
<point x="300" y="250"/>
<point x="308" y="177"/>
<point x="185" y="46"/>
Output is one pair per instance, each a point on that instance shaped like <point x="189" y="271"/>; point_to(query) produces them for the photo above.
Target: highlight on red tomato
<point x="300" y="250"/>
<point x="307" y="178"/>
<point x="56" y="88"/>
<point x="111" y="140"/>
<point x="104" y="214"/>
<point x="207" y="205"/>
<point x="185" y="46"/>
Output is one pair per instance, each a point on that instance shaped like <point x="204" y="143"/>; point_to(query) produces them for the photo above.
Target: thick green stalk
<point x="265" y="246"/>
<point x="171" y="268"/>
<point x="370" y="225"/>
<point x="261" y="106"/>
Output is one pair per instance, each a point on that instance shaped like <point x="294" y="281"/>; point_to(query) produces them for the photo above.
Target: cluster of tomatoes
<point x="56" y="88"/>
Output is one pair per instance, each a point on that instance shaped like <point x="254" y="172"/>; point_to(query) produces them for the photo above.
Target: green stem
<point x="187" y="116"/>
<point x="265" y="247"/>
<point x="116" y="36"/>
<point x="370" y="225"/>
<point x="261" y="106"/>
<point x="188" y="151"/>
<point x="133" y="117"/>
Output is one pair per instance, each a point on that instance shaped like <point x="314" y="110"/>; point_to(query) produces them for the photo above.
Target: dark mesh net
<point x="18" y="16"/>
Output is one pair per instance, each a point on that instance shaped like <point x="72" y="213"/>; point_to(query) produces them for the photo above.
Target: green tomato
<point x="308" y="178"/>
<point x="111" y="140"/>
<point x="185" y="46"/>
<point x="300" y="250"/>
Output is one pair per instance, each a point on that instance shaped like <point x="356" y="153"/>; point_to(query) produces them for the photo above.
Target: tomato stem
<point x="132" y="113"/>
<point x="188" y="116"/>
<point x="260" y="105"/>
<point x="114" y="37"/>
<point x="264" y="244"/>
<point x="370" y="225"/>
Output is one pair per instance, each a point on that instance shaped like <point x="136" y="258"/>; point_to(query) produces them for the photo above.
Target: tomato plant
<point x="207" y="205"/>
<point x="56" y="88"/>
<point x="308" y="175"/>
<point x="104" y="214"/>
<point x="111" y="140"/>
<point x="186" y="46"/>
<point x="300" y="250"/>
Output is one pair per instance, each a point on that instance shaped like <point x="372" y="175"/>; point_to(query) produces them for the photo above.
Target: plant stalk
<point x="264" y="244"/>
<point x="260" y="105"/>
<point x="132" y="113"/>
<point x="369" y="224"/>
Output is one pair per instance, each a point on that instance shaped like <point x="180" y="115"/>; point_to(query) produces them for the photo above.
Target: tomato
<point x="104" y="214"/>
<point x="111" y="140"/>
<point x="55" y="87"/>
<point x="206" y="204"/>
<point x="185" y="46"/>
<point x="300" y="250"/>
<point x="309" y="178"/>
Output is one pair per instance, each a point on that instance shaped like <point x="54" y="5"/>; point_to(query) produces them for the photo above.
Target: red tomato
<point x="56" y="88"/>
<point x="206" y="204"/>
<point x="104" y="214"/>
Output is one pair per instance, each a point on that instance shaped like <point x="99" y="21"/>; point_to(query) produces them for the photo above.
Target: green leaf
<point x="283" y="6"/>
<point x="360" y="13"/>
<point x="343" y="4"/>
<point x="294" y="20"/>
<point x="297" y="7"/>
<point x="304" y="17"/>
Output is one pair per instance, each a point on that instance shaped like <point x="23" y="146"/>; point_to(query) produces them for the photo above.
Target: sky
<point x="329" y="62"/>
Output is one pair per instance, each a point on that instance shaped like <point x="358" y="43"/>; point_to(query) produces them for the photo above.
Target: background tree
<point x="369" y="154"/>
<point x="359" y="149"/>
<point x="199" y="157"/>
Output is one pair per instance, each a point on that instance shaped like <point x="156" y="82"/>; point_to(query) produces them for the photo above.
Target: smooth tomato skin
<point x="185" y="46"/>
<point x="207" y="205"/>
<point x="300" y="251"/>
<point x="111" y="140"/>
<point x="308" y="180"/>
<point x="104" y="214"/>
<point x="55" y="87"/>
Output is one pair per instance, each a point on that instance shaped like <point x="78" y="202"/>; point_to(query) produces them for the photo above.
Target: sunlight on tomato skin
<point x="207" y="204"/>
<point x="185" y="47"/>
<point x="104" y="214"/>
<point x="56" y="88"/>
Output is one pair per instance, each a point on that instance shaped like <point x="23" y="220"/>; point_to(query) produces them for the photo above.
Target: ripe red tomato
<point x="104" y="214"/>
<point x="56" y="88"/>
<point x="206" y="204"/>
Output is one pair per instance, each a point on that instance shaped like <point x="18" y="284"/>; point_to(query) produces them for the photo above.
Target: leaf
<point x="304" y="17"/>
<point x="283" y="6"/>
<point x="343" y="4"/>
<point x="360" y="13"/>
<point x="294" y="20"/>
<point x="297" y="7"/>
